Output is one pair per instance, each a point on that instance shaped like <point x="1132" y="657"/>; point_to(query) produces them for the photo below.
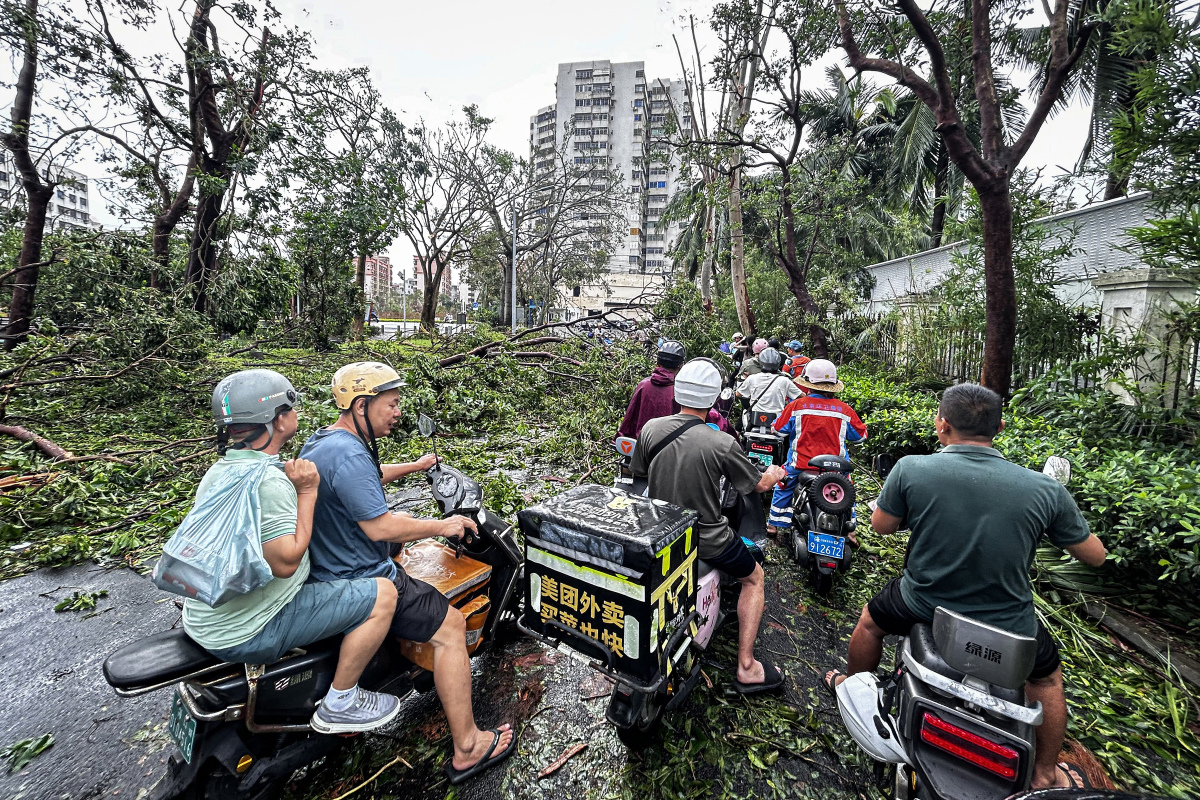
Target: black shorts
<point x="420" y="608"/>
<point x="892" y="615"/>
<point x="735" y="560"/>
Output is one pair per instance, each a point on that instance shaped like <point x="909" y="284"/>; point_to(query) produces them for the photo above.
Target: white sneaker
<point x="370" y="710"/>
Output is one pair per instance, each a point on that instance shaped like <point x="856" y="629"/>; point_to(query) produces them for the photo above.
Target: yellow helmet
<point x="363" y="379"/>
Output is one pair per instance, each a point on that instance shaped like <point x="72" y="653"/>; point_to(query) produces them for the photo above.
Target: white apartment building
<point x="69" y="208"/>
<point x="609" y="114"/>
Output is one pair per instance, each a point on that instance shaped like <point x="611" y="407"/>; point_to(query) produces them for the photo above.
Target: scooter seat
<point x="159" y="659"/>
<point x="924" y="649"/>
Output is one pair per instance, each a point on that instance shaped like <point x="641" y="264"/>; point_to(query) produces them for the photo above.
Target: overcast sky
<point x="431" y="58"/>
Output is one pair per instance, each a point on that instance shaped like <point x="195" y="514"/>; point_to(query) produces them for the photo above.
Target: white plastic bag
<point x="216" y="552"/>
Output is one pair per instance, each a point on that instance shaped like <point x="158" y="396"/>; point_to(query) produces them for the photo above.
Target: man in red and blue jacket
<point x="817" y="425"/>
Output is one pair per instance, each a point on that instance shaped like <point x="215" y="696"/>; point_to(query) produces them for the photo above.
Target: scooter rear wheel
<point x="645" y="728"/>
<point x="823" y="582"/>
<point x="215" y="783"/>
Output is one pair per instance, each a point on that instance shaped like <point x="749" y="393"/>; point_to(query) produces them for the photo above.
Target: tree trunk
<point x="941" y="174"/>
<point x="202" y="252"/>
<point x="707" y="260"/>
<point x="165" y="223"/>
<point x="429" y="299"/>
<point x="38" y="194"/>
<point x="996" y="209"/>
<point x="360" y="280"/>
<point x="506" y="293"/>
<point x="737" y="262"/>
<point x="1116" y="185"/>
<point x="20" y="309"/>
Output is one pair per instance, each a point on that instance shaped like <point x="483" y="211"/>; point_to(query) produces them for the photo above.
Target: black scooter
<point x="822" y="520"/>
<point x="241" y="730"/>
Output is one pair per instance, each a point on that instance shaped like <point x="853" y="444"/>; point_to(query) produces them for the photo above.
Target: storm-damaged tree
<point x="565" y="205"/>
<point x="47" y="39"/>
<point x="150" y="149"/>
<point x="439" y="214"/>
<point x="348" y="151"/>
<point x="581" y="215"/>
<point x="915" y="36"/>
<point x="232" y="100"/>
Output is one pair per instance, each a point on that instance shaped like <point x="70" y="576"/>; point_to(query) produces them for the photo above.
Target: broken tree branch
<point x="40" y="442"/>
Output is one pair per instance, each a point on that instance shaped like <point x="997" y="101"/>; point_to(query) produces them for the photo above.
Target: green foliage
<point x="21" y="753"/>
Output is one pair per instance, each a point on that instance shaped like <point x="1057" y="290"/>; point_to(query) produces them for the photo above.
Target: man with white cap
<point x="684" y="460"/>
<point x="818" y="424"/>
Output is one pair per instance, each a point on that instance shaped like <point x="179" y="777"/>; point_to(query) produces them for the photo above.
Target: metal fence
<point x="936" y="343"/>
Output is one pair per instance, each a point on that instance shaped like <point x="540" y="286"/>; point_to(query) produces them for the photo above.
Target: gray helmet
<point x="672" y="354"/>
<point x="252" y="396"/>
<point x="770" y="359"/>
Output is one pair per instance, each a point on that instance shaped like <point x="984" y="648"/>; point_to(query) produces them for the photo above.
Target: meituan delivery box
<point x="609" y="567"/>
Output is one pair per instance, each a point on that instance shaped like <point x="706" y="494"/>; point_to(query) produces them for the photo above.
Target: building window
<point x="633" y="259"/>
<point x="637" y="103"/>
<point x="61" y="194"/>
<point x="3" y="176"/>
<point x="637" y="117"/>
<point x="583" y="73"/>
<point x="641" y="73"/>
<point x="640" y="88"/>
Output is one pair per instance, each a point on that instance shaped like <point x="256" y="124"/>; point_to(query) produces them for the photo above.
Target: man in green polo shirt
<point x="976" y="522"/>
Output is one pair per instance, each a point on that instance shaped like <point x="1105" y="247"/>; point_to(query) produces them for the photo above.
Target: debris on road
<point x="567" y="755"/>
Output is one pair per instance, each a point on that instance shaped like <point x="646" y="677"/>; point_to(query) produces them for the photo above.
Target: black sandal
<point x="772" y="680"/>
<point x="1075" y="775"/>
<point x="830" y="679"/>
<point x="457" y="776"/>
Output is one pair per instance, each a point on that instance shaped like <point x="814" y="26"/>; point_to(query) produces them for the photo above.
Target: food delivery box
<point x="612" y="575"/>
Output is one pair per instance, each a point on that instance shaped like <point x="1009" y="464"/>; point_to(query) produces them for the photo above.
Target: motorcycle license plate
<point x="824" y="544"/>
<point x="181" y="727"/>
<point x="764" y="458"/>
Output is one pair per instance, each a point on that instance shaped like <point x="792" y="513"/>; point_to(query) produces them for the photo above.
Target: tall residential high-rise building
<point x="377" y="280"/>
<point x="70" y="207"/>
<point x="610" y="114"/>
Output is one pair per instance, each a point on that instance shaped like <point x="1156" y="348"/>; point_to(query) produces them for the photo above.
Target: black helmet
<point x="774" y="342"/>
<point x="770" y="359"/>
<point x="672" y="354"/>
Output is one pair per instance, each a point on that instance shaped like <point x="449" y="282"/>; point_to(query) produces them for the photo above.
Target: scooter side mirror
<point x="726" y="393"/>
<point x="426" y="425"/>
<point x="1058" y="468"/>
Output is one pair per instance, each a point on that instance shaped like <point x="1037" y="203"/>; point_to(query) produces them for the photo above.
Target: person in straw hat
<point x="816" y="425"/>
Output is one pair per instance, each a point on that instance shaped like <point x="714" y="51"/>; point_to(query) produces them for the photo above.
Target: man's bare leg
<point x="361" y="643"/>
<point x="750" y="611"/>
<point x="866" y="645"/>
<point x="452" y="677"/>
<point x="1053" y="730"/>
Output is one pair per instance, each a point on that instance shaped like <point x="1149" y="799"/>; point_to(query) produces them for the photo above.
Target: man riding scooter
<point x="770" y="390"/>
<point x="356" y="535"/>
<point x="818" y="424"/>
<point x="654" y="396"/>
<point x="685" y="460"/>
<point x="256" y="416"/>
<point x="976" y="522"/>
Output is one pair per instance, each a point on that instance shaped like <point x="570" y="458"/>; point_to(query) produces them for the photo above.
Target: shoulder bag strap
<point x="670" y="437"/>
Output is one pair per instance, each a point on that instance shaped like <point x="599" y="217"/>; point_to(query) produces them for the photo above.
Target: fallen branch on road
<point x="40" y="442"/>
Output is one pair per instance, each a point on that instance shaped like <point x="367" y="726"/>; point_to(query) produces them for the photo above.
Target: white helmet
<point x="859" y="704"/>
<point x="698" y="383"/>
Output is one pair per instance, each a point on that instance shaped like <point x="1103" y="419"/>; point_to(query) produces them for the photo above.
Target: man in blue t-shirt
<point x="355" y="536"/>
<point x="976" y="522"/>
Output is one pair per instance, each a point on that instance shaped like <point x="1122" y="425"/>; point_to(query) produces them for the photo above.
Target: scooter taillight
<point x="828" y="564"/>
<point x="995" y="758"/>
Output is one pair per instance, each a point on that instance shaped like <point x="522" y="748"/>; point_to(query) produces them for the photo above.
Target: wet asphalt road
<point x="50" y="682"/>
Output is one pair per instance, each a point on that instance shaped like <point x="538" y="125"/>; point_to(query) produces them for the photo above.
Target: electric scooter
<point x="241" y="730"/>
<point x="822" y="520"/>
<point x="952" y="717"/>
